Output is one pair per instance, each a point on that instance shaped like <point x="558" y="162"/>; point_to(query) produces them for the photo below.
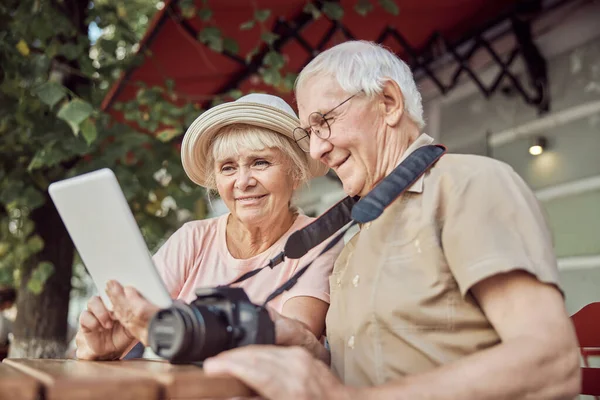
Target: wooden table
<point x="33" y="379"/>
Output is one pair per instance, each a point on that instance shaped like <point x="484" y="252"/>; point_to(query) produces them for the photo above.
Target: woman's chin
<point x="250" y="215"/>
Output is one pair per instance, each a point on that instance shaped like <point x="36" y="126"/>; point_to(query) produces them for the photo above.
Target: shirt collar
<point x="423" y="140"/>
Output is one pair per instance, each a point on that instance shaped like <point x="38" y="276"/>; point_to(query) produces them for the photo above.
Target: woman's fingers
<point x="96" y="307"/>
<point x="131" y="309"/>
<point x="88" y="322"/>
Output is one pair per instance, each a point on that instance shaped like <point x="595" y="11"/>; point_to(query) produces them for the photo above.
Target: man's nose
<point x="319" y="147"/>
<point x="245" y="178"/>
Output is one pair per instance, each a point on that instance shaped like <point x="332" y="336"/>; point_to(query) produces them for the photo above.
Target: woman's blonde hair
<point x="233" y="137"/>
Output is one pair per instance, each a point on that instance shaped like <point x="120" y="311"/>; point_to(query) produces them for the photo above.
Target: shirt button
<point x="355" y="280"/>
<point x="418" y="245"/>
<point x="338" y="281"/>
<point x="351" y="342"/>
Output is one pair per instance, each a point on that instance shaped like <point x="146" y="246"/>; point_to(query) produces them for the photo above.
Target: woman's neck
<point x="245" y="241"/>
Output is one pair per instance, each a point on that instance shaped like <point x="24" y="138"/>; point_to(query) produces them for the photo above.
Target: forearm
<point x="523" y="368"/>
<point x="303" y="324"/>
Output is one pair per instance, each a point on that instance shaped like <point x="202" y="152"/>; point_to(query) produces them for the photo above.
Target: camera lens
<point x="188" y="333"/>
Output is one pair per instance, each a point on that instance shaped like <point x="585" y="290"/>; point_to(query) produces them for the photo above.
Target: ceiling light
<point x="538" y="146"/>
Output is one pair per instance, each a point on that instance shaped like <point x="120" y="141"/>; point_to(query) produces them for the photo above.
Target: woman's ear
<point x="393" y="102"/>
<point x="297" y="184"/>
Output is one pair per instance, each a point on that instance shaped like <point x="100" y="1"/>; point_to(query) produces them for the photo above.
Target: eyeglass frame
<point x="324" y="116"/>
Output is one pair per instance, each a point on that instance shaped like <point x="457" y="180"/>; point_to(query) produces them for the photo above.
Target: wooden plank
<point x="15" y="385"/>
<point x="86" y="380"/>
<point x="186" y="381"/>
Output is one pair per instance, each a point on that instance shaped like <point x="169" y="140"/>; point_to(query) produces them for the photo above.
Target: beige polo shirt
<point x="400" y="300"/>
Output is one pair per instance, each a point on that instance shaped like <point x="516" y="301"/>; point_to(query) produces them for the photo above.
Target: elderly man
<point x="452" y="293"/>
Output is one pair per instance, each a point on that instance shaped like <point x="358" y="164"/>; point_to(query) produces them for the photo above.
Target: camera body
<point x="219" y="319"/>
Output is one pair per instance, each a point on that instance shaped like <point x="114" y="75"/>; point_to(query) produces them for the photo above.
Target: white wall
<point x="566" y="177"/>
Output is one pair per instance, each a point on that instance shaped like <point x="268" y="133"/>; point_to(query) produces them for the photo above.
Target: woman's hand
<point x="131" y="310"/>
<point x="291" y="332"/>
<point x="100" y="337"/>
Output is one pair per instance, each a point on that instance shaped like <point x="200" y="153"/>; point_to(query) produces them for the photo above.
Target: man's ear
<point x="393" y="102"/>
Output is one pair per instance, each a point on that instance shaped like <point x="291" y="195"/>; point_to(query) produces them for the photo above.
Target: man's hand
<point x="131" y="309"/>
<point x="99" y="336"/>
<point x="280" y="373"/>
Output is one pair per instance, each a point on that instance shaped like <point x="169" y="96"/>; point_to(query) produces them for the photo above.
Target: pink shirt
<point x="197" y="256"/>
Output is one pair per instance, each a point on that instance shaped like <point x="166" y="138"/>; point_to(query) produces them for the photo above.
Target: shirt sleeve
<point x="493" y="224"/>
<point x="315" y="281"/>
<point x="173" y="260"/>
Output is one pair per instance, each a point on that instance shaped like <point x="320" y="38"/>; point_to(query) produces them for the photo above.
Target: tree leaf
<point x="108" y="45"/>
<point x="235" y="94"/>
<point x="188" y="12"/>
<point x="32" y="198"/>
<point x="310" y="8"/>
<point x="48" y="156"/>
<point x="50" y="93"/>
<point x="170" y="84"/>
<point x="205" y="14"/>
<point x="262" y="15"/>
<point x="39" y="276"/>
<point x="35" y="244"/>
<point x="168" y="134"/>
<point x="89" y="131"/>
<point x="70" y="50"/>
<point x="269" y="37"/>
<point x="274" y="59"/>
<point x="390" y="6"/>
<point x="209" y="33"/>
<point x="231" y="45"/>
<point x="363" y="7"/>
<point x="212" y="37"/>
<point x="333" y="10"/>
<point x="251" y="55"/>
<point x="23" y="48"/>
<point x="271" y="76"/>
<point x="247" y="25"/>
<point x="74" y="113"/>
<point x="289" y="80"/>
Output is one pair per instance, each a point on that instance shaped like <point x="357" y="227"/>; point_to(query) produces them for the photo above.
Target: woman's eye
<point x="262" y="163"/>
<point x="227" y="169"/>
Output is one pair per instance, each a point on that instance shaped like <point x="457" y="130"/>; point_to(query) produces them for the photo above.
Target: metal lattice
<point x="422" y="61"/>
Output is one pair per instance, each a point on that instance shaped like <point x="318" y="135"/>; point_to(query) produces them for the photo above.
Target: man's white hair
<point x="361" y="65"/>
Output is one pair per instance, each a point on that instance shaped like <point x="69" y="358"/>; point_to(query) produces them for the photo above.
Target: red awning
<point x="199" y="72"/>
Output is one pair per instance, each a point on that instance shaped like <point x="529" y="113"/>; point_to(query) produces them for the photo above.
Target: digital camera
<point x="218" y="319"/>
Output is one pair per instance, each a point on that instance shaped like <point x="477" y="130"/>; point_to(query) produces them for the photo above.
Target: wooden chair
<point x="587" y="328"/>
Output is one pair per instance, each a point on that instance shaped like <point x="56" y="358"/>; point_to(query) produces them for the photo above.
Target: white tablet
<point x="105" y="233"/>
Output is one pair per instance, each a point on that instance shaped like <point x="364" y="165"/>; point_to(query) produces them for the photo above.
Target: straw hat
<point x="256" y="109"/>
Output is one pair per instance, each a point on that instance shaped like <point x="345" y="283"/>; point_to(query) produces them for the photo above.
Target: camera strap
<point x="367" y="209"/>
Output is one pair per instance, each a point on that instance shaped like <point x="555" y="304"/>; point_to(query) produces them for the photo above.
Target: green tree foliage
<point x="52" y="81"/>
<point x="51" y="127"/>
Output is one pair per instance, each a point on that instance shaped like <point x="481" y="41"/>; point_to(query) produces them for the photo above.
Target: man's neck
<point x="244" y="241"/>
<point x="394" y="147"/>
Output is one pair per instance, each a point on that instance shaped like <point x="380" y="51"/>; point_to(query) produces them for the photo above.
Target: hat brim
<point x="199" y="136"/>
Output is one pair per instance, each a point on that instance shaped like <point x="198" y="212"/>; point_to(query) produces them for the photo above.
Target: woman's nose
<point x="245" y="179"/>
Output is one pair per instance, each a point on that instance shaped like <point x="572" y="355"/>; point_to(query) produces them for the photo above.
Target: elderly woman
<point x="244" y="150"/>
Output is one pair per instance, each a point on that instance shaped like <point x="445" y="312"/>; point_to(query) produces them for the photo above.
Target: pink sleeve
<point x="173" y="260"/>
<point x="315" y="281"/>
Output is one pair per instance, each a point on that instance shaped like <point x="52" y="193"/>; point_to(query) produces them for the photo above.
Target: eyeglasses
<point x="318" y="124"/>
